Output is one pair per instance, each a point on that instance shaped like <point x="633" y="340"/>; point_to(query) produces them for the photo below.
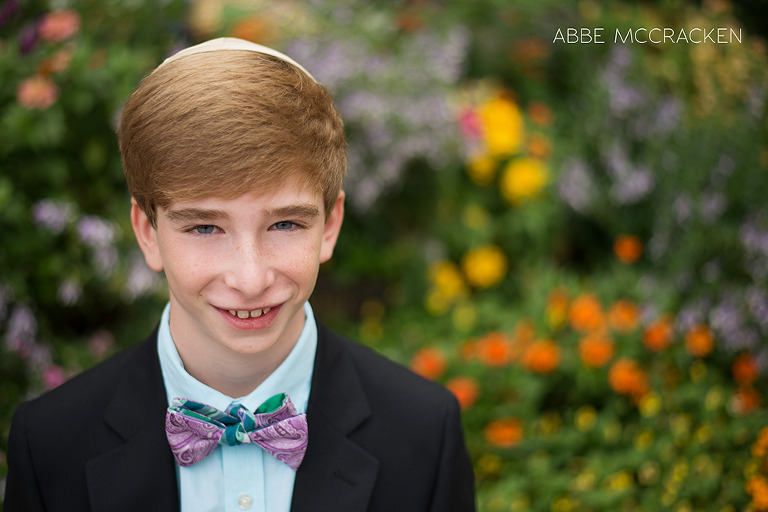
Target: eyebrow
<point x="196" y="214"/>
<point x="304" y="211"/>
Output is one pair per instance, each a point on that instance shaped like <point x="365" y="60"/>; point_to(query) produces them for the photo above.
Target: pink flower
<point x="100" y="343"/>
<point x="470" y="124"/>
<point x="59" y="25"/>
<point x="37" y="92"/>
<point x="53" y="376"/>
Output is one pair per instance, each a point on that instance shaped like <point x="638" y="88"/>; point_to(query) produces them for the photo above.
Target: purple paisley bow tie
<point x="194" y="430"/>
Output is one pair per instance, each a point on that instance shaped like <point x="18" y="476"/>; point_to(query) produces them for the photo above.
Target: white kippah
<point x="232" y="43"/>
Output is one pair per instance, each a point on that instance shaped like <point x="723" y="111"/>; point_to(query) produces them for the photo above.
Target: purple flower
<point x="70" y="291"/>
<point x="575" y="186"/>
<point x="757" y="302"/>
<point x="622" y="97"/>
<point x="9" y="9"/>
<point x="21" y="332"/>
<point x="95" y="231"/>
<point x="632" y="186"/>
<point x="28" y="38"/>
<point x="53" y="215"/>
<point x="141" y="278"/>
<point x="712" y="206"/>
<point x="682" y="208"/>
<point x="105" y="259"/>
<point x="667" y="116"/>
<point x="691" y="315"/>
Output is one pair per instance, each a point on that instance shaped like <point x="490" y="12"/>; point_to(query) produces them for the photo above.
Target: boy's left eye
<point x="204" y="230"/>
<point x="284" y="225"/>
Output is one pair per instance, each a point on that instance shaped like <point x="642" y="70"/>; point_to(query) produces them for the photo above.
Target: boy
<point x="234" y="156"/>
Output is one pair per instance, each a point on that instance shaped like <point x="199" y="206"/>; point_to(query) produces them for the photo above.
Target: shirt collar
<point x="293" y="376"/>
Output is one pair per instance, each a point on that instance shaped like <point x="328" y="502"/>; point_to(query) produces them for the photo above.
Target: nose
<point x="251" y="270"/>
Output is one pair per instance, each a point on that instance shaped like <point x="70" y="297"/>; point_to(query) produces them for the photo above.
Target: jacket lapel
<point x="336" y="474"/>
<point x="138" y="472"/>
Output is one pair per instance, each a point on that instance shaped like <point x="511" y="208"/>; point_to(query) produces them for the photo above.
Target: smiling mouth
<point x="253" y="313"/>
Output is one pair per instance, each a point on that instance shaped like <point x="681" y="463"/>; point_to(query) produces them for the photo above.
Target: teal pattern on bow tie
<point x="237" y="421"/>
<point x="195" y="429"/>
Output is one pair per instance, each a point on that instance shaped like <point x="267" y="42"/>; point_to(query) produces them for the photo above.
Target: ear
<point x="146" y="236"/>
<point x="332" y="228"/>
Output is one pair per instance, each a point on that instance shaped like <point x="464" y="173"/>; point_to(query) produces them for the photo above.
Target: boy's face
<point x="239" y="270"/>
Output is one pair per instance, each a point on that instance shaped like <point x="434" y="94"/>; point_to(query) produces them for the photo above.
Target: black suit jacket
<point x="380" y="439"/>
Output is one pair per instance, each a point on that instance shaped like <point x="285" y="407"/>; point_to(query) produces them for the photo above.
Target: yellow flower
<point x="564" y="504"/>
<point x="585" y="418"/>
<point x="436" y="303"/>
<point x="619" y="481"/>
<point x="643" y="440"/>
<point x="484" y="267"/>
<point x="446" y="278"/>
<point x="489" y="464"/>
<point x="502" y="124"/>
<point x="475" y="217"/>
<point x="523" y="178"/>
<point x="464" y="317"/>
<point x="481" y="168"/>
<point x="650" y="405"/>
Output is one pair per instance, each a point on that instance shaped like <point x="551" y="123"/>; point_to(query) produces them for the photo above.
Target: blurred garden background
<point x="572" y="237"/>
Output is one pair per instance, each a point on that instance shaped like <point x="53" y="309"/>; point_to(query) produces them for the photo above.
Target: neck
<point x="233" y="373"/>
<point x="233" y="380"/>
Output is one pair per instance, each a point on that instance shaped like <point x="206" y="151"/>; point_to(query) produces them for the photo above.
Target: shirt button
<point x="244" y="502"/>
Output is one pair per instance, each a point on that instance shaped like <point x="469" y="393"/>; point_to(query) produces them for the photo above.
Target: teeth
<point x="246" y="314"/>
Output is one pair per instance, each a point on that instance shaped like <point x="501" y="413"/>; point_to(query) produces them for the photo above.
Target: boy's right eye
<point x="203" y="230"/>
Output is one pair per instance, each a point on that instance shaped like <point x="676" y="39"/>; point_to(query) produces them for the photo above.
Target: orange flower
<point x="252" y="29"/>
<point x="628" y="248"/>
<point x="745" y="369"/>
<point x="494" y="349"/>
<point x="410" y="19"/>
<point x="59" y="25"/>
<point x="504" y="433"/>
<point x="746" y="400"/>
<point x="760" y="448"/>
<point x="37" y="92"/>
<point x="540" y="113"/>
<point x="586" y="313"/>
<point x="658" y="335"/>
<point x="624" y="316"/>
<point x="57" y="63"/>
<point x="595" y="351"/>
<point x="757" y="487"/>
<point x="539" y="146"/>
<point x="429" y="362"/>
<point x="699" y="341"/>
<point x="525" y="330"/>
<point x="557" y="307"/>
<point x="466" y="390"/>
<point x="532" y="48"/>
<point x="542" y="357"/>
<point x="626" y="378"/>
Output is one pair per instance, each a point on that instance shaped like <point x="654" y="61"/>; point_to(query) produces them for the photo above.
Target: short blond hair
<point x="224" y="123"/>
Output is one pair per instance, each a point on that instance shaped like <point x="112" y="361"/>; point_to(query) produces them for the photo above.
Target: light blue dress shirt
<point x="237" y="478"/>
